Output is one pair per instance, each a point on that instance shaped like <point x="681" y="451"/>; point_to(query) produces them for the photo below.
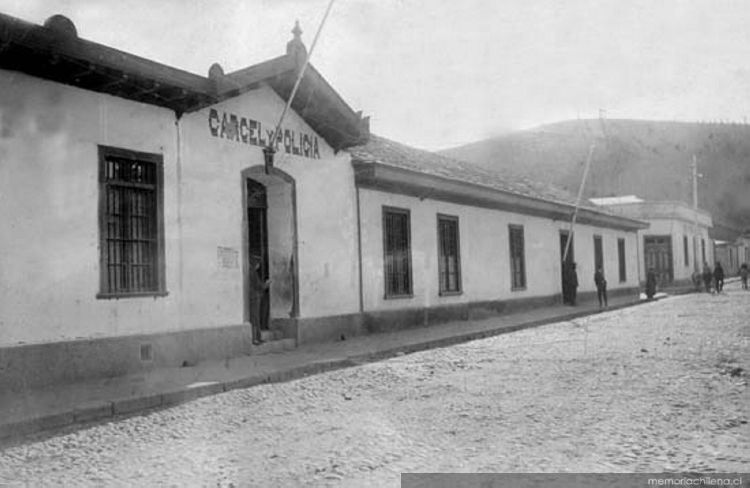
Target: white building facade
<point x="733" y="254"/>
<point x="134" y="196"/>
<point x="675" y="244"/>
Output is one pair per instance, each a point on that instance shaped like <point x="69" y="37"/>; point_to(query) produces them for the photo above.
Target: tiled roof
<point x="384" y="151"/>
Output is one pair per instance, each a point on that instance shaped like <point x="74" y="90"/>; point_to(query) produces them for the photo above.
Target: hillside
<point x="645" y="158"/>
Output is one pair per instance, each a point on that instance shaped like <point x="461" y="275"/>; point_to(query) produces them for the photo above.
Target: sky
<point x="436" y="74"/>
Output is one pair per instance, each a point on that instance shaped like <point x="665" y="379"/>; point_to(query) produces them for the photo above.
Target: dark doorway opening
<point x="598" y="254"/>
<point x="257" y="239"/>
<point x="657" y="252"/>
<point x="567" y="268"/>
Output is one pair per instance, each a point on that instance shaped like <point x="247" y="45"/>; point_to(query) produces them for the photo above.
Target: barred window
<point x="685" y="250"/>
<point x="621" y="259"/>
<point x="397" y="252"/>
<point x="131" y="228"/>
<point x="598" y="253"/>
<point x="517" y="260"/>
<point x="449" y="258"/>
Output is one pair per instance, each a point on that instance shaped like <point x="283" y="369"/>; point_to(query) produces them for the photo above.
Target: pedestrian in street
<point x="258" y="288"/>
<point x="743" y="275"/>
<point x="697" y="280"/>
<point x="718" y="277"/>
<point x="707" y="277"/>
<point x="650" y="283"/>
<point x="601" y="287"/>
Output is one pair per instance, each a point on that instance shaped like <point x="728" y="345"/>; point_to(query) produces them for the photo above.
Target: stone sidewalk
<point x="49" y="409"/>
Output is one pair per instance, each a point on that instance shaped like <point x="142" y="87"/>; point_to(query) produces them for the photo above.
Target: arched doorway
<point x="269" y="232"/>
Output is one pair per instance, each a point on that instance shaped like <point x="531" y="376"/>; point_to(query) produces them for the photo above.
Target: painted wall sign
<point x="248" y="131"/>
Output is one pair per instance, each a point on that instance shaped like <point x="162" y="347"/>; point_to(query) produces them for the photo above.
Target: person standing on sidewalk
<point x="707" y="277"/>
<point x="566" y="282"/>
<point x="571" y="283"/>
<point x="650" y="283"/>
<point x="718" y="277"/>
<point x="697" y="279"/>
<point x="601" y="287"/>
<point x="257" y="290"/>
<point x="743" y="275"/>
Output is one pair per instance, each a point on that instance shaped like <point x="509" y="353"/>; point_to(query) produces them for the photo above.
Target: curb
<point x="120" y="408"/>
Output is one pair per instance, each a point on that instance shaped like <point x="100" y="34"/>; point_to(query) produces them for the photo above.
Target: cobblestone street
<point x="657" y="387"/>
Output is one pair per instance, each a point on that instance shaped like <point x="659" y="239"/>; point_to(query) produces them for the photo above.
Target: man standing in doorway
<point x="258" y="288"/>
<point x="570" y="282"/>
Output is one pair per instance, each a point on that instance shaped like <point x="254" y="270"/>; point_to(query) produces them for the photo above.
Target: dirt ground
<point x="657" y="387"/>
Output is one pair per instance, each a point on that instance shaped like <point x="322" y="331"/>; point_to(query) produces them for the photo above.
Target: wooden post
<point x="578" y="202"/>
<point x="276" y="132"/>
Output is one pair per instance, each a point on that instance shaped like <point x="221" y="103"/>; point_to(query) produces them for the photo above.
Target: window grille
<point x="598" y="254"/>
<point x="131" y="250"/>
<point x="449" y="259"/>
<point x="685" y="250"/>
<point x="621" y="259"/>
<point x="517" y="260"/>
<point x="397" y="252"/>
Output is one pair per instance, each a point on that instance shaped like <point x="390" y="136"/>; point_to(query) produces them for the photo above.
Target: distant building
<point x="743" y="251"/>
<point x="134" y="196"/>
<point x="675" y="244"/>
<point x="732" y="254"/>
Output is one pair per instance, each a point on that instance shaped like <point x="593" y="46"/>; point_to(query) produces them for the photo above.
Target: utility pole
<point x="578" y="202"/>
<point x="270" y="150"/>
<point x="695" y="212"/>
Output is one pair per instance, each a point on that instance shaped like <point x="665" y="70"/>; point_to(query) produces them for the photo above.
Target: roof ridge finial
<point x="295" y="47"/>
<point x="297" y="31"/>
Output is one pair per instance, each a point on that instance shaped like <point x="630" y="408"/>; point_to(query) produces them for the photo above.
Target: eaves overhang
<point x="63" y="57"/>
<point x="55" y="52"/>
<point x="319" y="105"/>
<point x="392" y="179"/>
